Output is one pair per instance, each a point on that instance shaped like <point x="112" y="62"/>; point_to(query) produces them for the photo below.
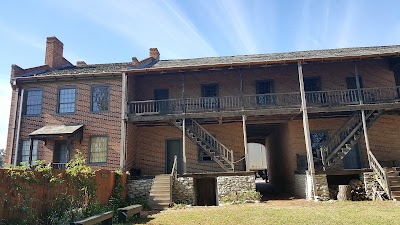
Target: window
<point x="26" y="149"/>
<point x="210" y="94"/>
<point x="66" y="100"/>
<point x="100" y="98"/>
<point x="203" y="157"/>
<point x="98" y="149"/>
<point x="33" y="102"/>
<point x="312" y="84"/>
<point x="352" y="83"/>
<point x="263" y="89"/>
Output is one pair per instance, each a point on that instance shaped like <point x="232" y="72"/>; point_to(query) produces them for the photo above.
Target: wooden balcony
<point x="265" y="104"/>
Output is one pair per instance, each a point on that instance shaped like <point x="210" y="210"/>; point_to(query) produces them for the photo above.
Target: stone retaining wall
<point x="369" y="181"/>
<point x="183" y="191"/>
<point x="139" y="189"/>
<point x="321" y="182"/>
<point x="228" y="184"/>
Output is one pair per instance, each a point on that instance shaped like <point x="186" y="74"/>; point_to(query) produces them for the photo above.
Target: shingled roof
<point x="325" y="55"/>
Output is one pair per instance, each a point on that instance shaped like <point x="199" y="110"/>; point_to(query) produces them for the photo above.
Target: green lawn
<point x="281" y="212"/>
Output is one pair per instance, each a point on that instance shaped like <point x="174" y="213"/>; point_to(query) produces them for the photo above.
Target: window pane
<point x="98" y="149"/>
<point x="33" y="102"/>
<point x="26" y="149"/>
<point x="67" y="100"/>
<point x="100" y="98"/>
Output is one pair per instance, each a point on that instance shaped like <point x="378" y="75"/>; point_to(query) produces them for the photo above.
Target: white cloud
<point x="147" y="24"/>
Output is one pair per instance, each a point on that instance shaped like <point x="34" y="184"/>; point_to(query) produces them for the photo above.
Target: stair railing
<point x="381" y="174"/>
<point x="212" y="142"/>
<point x="342" y="135"/>
<point x="174" y="171"/>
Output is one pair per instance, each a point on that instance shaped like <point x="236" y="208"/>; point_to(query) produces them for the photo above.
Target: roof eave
<point x="19" y="80"/>
<point x="259" y="63"/>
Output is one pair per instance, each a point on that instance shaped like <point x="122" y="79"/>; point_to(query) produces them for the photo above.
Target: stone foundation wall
<point x="369" y="181"/>
<point x="227" y="184"/>
<point x="139" y="188"/>
<point x="321" y="182"/>
<point x="183" y="190"/>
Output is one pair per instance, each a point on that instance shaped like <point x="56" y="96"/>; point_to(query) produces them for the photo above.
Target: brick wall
<point x="150" y="148"/>
<point x="374" y="73"/>
<point x="103" y="123"/>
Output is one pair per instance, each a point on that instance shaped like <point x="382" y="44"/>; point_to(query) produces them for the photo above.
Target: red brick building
<point x="137" y="115"/>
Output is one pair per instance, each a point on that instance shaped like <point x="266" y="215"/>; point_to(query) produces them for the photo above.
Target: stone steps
<point x="160" y="192"/>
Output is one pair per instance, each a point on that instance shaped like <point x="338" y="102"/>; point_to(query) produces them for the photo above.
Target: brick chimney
<point x="81" y="63"/>
<point x="154" y="53"/>
<point x="135" y="62"/>
<point x="54" y="52"/>
<point x="16" y="71"/>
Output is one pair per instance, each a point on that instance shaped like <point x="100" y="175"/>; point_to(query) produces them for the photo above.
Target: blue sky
<point x="99" y="31"/>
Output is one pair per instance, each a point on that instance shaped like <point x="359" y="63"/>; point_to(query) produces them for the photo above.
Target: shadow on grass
<point x="145" y="217"/>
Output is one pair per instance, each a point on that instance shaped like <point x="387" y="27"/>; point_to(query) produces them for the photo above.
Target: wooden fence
<point x="43" y="194"/>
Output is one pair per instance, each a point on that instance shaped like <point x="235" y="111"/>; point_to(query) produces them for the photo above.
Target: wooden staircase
<point x="215" y="149"/>
<point x="393" y="175"/>
<point x="346" y="138"/>
<point x="161" y="192"/>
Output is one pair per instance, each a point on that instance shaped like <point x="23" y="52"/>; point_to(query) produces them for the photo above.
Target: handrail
<point x="381" y="173"/>
<point x="268" y="100"/>
<point x="174" y="171"/>
<point x="213" y="143"/>
<point x="343" y="135"/>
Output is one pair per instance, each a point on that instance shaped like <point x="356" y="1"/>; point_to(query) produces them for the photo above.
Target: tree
<point x="2" y="156"/>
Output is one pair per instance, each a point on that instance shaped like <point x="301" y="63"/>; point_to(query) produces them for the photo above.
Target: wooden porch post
<point x="245" y="140"/>
<point x="183" y="126"/>
<point x="306" y="128"/>
<point x="184" y="145"/>
<point x="364" y="121"/>
<point x="122" y="159"/>
<point x="241" y="89"/>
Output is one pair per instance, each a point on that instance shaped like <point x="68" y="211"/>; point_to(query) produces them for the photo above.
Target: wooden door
<point x="352" y="159"/>
<point x="162" y="104"/>
<point x="174" y="148"/>
<point x="206" y="191"/>
<point x="61" y="154"/>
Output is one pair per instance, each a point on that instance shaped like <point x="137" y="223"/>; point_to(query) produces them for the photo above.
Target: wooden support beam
<point x="245" y="140"/>
<point x="124" y="103"/>
<point x="306" y="128"/>
<point x="363" y="118"/>
<point x="184" y="145"/>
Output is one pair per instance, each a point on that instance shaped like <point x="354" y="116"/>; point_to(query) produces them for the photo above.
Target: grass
<point x="282" y="212"/>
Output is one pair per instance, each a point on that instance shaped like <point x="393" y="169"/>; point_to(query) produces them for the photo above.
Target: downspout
<point x="13" y="126"/>
<point x="122" y="162"/>
<point x="19" y="127"/>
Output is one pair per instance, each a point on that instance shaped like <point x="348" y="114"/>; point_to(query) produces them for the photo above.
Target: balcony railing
<point x="264" y="101"/>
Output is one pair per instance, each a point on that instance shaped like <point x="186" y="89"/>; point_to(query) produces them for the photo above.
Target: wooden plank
<point x="104" y="218"/>
<point x="132" y="210"/>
